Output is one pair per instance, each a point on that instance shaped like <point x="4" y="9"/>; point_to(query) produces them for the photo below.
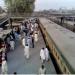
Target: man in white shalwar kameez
<point x="26" y="51"/>
<point x="36" y="25"/>
<point x="23" y="42"/>
<point x="29" y="41"/>
<point x="32" y="27"/>
<point x="19" y="36"/>
<point x="46" y="54"/>
<point x="36" y="36"/>
<point x="4" y="66"/>
<point x="42" y="70"/>
<point x="12" y="44"/>
<point x="22" y="27"/>
<point x="42" y="55"/>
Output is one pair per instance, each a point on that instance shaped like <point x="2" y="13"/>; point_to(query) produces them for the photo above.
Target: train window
<point x="51" y="46"/>
<point x="61" y="63"/>
<point x="56" y="53"/>
<point x="53" y="49"/>
<point x="58" y="57"/>
<point x="44" y="28"/>
<point x="65" y="69"/>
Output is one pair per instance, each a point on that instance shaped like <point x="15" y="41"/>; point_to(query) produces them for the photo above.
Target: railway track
<point x="66" y="24"/>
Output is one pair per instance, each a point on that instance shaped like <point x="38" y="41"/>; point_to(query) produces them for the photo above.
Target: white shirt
<point x="23" y="42"/>
<point x="22" y="27"/>
<point x="36" y="25"/>
<point x="4" y="67"/>
<point x="12" y="43"/>
<point x="42" y="54"/>
<point x="29" y="41"/>
<point x="26" y="50"/>
<point x="36" y="37"/>
<point x="46" y="53"/>
<point x="42" y="71"/>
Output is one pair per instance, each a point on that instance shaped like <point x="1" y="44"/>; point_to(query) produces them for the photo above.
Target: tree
<point x="20" y="6"/>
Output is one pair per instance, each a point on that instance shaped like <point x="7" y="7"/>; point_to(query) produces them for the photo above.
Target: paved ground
<point x="18" y="63"/>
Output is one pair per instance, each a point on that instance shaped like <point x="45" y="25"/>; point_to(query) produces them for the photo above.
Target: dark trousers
<point x="32" y="43"/>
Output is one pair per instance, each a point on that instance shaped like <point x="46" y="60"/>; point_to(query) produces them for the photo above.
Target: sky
<point x="50" y="4"/>
<point x="54" y="4"/>
<point x="2" y="3"/>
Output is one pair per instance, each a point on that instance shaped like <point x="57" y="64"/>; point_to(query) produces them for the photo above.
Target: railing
<point x="4" y="19"/>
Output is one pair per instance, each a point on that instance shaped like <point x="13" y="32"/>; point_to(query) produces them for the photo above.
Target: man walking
<point x="42" y="70"/>
<point x="23" y="42"/>
<point x="46" y="54"/>
<point x="12" y="44"/>
<point x="4" y="66"/>
<point x="42" y="55"/>
<point x="26" y="51"/>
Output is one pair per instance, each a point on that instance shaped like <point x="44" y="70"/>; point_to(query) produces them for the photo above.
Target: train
<point x="61" y="43"/>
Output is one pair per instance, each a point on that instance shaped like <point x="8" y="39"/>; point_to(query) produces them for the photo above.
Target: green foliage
<point x="20" y="6"/>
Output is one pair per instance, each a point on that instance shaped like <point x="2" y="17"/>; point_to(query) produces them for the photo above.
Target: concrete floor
<point x="18" y="63"/>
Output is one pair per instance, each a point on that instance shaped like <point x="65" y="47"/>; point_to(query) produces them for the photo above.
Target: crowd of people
<point x="27" y="34"/>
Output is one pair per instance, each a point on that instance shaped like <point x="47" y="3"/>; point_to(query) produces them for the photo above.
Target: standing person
<point x="22" y="27"/>
<point x="46" y="54"/>
<point x="12" y="44"/>
<point x="23" y="42"/>
<point x="32" y="27"/>
<point x="42" y="70"/>
<point x="26" y="31"/>
<point x="4" y="52"/>
<point x="29" y="41"/>
<point x="4" y="66"/>
<point x="11" y="37"/>
<point x="42" y="55"/>
<point x="8" y="42"/>
<point x="4" y="55"/>
<point x="36" y="26"/>
<point x="36" y="36"/>
<point x="25" y="24"/>
<point x="26" y="50"/>
<point x="18" y="31"/>
<point x="32" y="38"/>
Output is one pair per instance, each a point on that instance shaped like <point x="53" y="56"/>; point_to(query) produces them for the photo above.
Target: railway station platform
<point x="18" y="63"/>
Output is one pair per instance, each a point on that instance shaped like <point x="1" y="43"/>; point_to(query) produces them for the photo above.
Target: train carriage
<point x="61" y="42"/>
